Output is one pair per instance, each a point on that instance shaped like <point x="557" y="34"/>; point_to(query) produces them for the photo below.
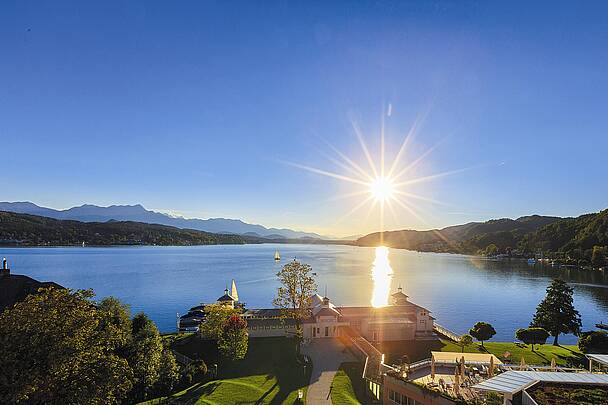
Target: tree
<point x="556" y="312"/>
<point x="216" y="317"/>
<point x="482" y="331"/>
<point x="491" y="250"/>
<point x="595" y="341"/>
<point x="145" y="356"/>
<point x="465" y="340"/>
<point x="168" y="374"/>
<point x="532" y="336"/>
<point x="115" y="323"/>
<point x="53" y="351"/>
<point x="195" y="371"/>
<point x="293" y="296"/>
<point x="598" y="257"/>
<point x="234" y="339"/>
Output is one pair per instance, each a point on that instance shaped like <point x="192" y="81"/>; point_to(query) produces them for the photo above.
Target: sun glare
<point x="382" y="189"/>
<point x="382" y="274"/>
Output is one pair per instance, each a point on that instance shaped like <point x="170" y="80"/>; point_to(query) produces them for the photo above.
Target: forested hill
<point x="571" y="236"/>
<point x="33" y="230"/>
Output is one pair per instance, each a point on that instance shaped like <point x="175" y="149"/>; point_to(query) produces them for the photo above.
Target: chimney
<point x="5" y="272"/>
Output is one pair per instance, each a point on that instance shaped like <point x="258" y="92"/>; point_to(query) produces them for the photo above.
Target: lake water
<point x="459" y="290"/>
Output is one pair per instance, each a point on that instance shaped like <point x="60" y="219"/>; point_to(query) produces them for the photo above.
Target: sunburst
<point x="381" y="185"/>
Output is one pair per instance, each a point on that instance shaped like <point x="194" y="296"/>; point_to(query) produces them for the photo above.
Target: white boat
<point x="277" y="256"/>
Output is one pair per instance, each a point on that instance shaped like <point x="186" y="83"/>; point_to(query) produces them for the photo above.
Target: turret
<point x="5" y="271"/>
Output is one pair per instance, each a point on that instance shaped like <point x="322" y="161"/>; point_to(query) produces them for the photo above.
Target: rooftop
<point x="512" y="382"/>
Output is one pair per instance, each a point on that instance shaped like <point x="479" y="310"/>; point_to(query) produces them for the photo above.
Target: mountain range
<point x="137" y="213"/>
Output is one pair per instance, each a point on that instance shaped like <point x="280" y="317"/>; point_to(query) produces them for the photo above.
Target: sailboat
<point x="277" y="256"/>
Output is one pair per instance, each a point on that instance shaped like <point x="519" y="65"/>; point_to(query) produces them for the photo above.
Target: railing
<point x="446" y="332"/>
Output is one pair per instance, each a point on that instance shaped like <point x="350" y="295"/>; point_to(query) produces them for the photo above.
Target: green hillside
<point x="32" y="230"/>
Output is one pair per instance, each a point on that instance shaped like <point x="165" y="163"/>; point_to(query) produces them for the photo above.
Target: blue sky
<point x="193" y="107"/>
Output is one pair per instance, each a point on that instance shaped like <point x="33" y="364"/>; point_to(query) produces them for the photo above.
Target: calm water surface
<point x="459" y="290"/>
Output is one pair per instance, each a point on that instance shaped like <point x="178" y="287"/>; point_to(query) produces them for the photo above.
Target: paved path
<point x="326" y="354"/>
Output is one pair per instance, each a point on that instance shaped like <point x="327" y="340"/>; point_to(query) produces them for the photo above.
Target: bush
<point x="194" y="372"/>
<point x="532" y="336"/>
<point x="594" y="341"/>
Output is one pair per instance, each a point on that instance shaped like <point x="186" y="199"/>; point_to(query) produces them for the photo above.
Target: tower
<point x="233" y="292"/>
<point x="5" y="271"/>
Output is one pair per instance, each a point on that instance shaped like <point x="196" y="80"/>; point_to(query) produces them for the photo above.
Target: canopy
<point x="470" y="358"/>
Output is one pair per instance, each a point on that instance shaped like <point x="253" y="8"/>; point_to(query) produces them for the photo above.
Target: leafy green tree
<point x="491" y="250"/>
<point x="293" y="296"/>
<point x="595" y="341"/>
<point x="482" y="331"/>
<point x="145" y="356"/>
<point x="556" y="312"/>
<point x="54" y="351"/>
<point x="532" y="336"/>
<point x="465" y="340"/>
<point x="216" y="317"/>
<point x="115" y="323"/>
<point x="234" y="340"/>
<point x="169" y="373"/>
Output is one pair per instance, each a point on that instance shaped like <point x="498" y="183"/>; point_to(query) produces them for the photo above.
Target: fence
<point x="442" y="330"/>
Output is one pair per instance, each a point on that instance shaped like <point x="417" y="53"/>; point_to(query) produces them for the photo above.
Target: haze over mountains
<point x="137" y="213"/>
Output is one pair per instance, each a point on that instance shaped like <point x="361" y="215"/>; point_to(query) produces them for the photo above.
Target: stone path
<point x="326" y="354"/>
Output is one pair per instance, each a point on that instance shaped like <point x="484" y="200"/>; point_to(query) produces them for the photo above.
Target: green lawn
<point x="347" y="386"/>
<point x="269" y="374"/>
<point x="418" y="350"/>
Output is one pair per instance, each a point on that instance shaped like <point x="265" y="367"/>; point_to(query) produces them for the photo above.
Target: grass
<point x="418" y="350"/>
<point x="347" y="386"/>
<point x="269" y="374"/>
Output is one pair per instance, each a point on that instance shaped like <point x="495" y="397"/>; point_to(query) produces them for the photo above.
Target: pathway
<point x="326" y="354"/>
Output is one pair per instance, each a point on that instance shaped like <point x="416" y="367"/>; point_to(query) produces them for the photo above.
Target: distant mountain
<point x="34" y="230"/>
<point x="505" y="233"/>
<point x="94" y="213"/>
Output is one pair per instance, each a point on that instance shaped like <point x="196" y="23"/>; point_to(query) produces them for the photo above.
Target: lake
<point x="458" y="290"/>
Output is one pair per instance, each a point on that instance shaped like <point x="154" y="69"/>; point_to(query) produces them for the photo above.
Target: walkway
<point x="326" y="354"/>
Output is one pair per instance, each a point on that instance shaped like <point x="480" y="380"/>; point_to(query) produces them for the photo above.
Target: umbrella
<point x="462" y="367"/>
<point x="432" y="367"/>
<point x="553" y="363"/>
<point x="456" y="381"/>
<point x="491" y="370"/>
<point x="522" y="363"/>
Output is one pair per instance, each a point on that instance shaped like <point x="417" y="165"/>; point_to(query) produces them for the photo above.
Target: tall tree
<point x="53" y="351"/>
<point x="293" y="296"/>
<point x="556" y="312"/>
<point x="482" y="331"/>
<point x="115" y="323"/>
<point x="168" y="373"/>
<point x="145" y="356"/>
<point x="532" y="336"/>
<point x="234" y="339"/>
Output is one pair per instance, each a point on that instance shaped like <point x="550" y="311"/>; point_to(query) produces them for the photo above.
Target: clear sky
<point x="194" y="107"/>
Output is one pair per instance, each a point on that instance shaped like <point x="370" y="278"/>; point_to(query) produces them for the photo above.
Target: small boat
<point x="82" y="244"/>
<point x="277" y="256"/>
<point x="601" y="326"/>
<point x="314" y="274"/>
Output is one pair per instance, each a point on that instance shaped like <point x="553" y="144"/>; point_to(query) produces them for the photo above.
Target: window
<point x="254" y="327"/>
<point x="280" y="326"/>
<point x="274" y="326"/>
<point x="267" y="327"/>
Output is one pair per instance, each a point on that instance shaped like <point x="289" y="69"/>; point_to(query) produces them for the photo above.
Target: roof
<point x="262" y="313"/>
<point x="225" y="297"/>
<point x="512" y="382"/>
<point x="325" y="311"/>
<point x="16" y="287"/>
<point x="600" y="358"/>
<point x="483" y="358"/>
<point x="270" y="322"/>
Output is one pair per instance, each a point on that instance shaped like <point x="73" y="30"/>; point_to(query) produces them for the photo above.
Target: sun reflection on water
<point x="382" y="274"/>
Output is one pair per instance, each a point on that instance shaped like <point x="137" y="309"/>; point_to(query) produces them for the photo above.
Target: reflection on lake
<point x="459" y="290"/>
<point x="382" y="273"/>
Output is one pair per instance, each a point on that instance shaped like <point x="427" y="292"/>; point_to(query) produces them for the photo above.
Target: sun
<point x="382" y="189"/>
